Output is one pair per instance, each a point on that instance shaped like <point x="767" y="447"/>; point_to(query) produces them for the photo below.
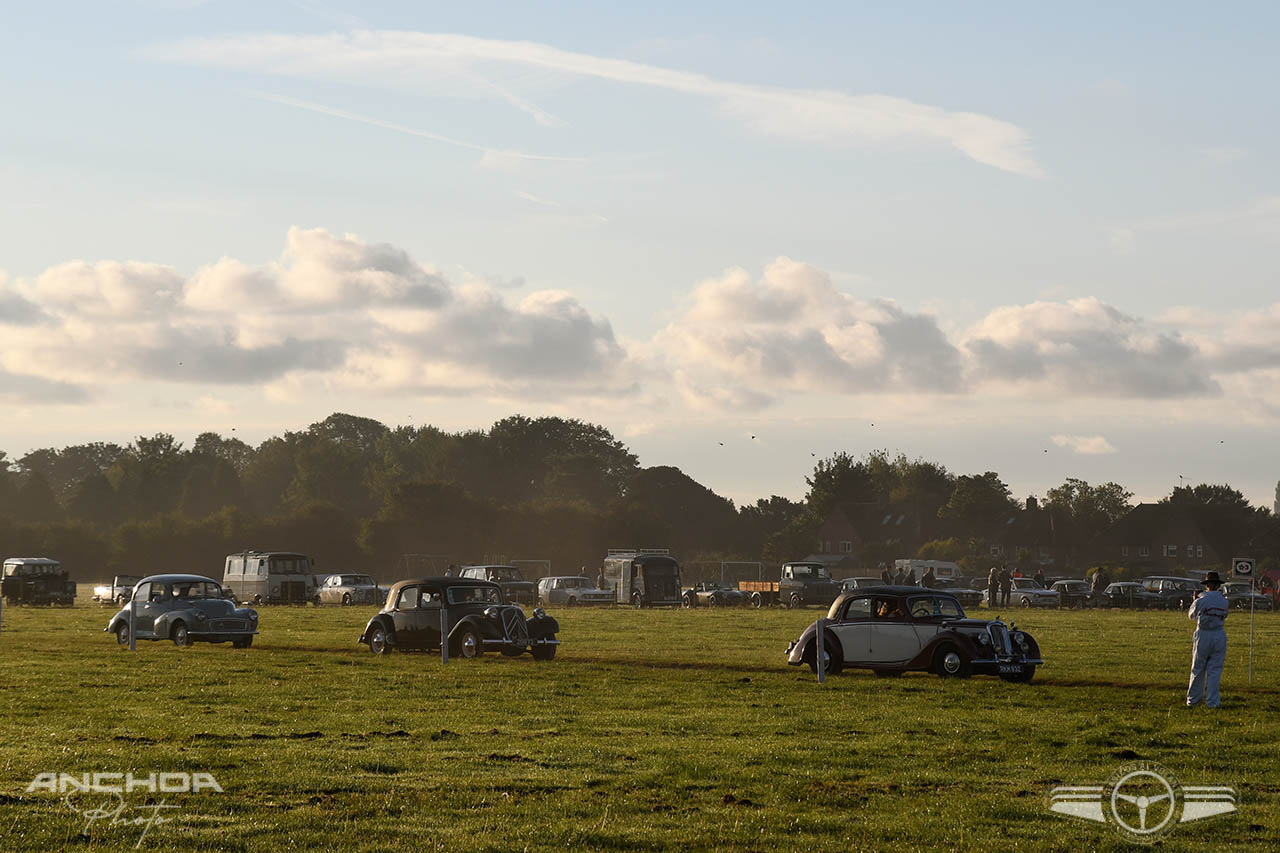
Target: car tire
<point x="346" y="599"/>
<point x="795" y="600"/>
<point x="545" y="652"/>
<point x="122" y="634"/>
<point x="757" y="600"/>
<point x="835" y="662"/>
<point x="1026" y="601"/>
<point x="378" y="642"/>
<point x="637" y="600"/>
<point x="571" y="602"/>
<point x="687" y="601"/>
<point x="470" y="644"/>
<point x="242" y="642"/>
<point x="950" y="662"/>
<point x="180" y="635"/>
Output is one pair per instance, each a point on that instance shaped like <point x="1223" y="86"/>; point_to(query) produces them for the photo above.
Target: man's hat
<point x="1211" y="579"/>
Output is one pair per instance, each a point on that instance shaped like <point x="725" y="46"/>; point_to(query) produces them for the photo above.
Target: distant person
<point x="1039" y="577"/>
<point x="910" y="578"/>
<point x="451" y="571"/>
<point x="900" y="576"/>
<point x="993" y="587"/>
<point x="1209" y="645"/>
<point x="1006" y="586"/>
<point x="886" y="576"/>
<point x="599" y="577"/>
<point x="929" y="578"/>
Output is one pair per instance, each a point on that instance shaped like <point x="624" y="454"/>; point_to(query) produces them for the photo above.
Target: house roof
<point x="1152" y="523"/>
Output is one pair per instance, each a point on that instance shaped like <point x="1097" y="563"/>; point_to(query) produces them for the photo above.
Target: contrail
<point x="399" y="128"/>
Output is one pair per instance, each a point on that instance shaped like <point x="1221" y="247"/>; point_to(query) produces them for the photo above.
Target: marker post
<point x="820" y="653"/>
<point x="444" y="633"/>
<point x="1245" y="567"/>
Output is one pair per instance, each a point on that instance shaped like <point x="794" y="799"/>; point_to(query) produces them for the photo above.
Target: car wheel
<point x="637" y="600"/>
<point x="122" y="633"/>
<point x="180" y="635"/>
<point x="242" y="642"/>
<point x="346" y="599"/>
<point x="120" y="600"/>
<point x="571" y="602"/>
<point x="950" y="662"/>
<point x="545" y="652"/>
<point x="1024" y="677"/>
<point x="794" y="600"/>
<point x="378" y="640"/>
<point x="757" y="600"/>
<point x="687" y="602"/>
<point x="470" y="643"/>
<point x="1026" y="601"/>
<point x="834" y="662"/>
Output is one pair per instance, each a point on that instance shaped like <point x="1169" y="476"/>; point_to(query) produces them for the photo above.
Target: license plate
<point x="1010" y="669"/>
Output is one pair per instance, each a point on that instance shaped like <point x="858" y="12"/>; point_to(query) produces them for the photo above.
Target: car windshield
<point x="504" y="573"/>
<point x="474" y="595"/>
<point x="194" y="590"/>
<point x="819" y="572"/>
<point x="360" y="580"/>
<point x="936" y="607"/>
<point x="576" y="583"/>
<point x="1026" y="583"/>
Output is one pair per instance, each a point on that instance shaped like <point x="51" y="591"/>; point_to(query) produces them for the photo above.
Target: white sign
<point x="1243" y="566"/>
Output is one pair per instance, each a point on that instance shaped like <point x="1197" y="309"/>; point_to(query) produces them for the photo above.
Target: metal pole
<point x="1" y="610"/>
<point x="820" y="653"/>
<point x="444" y="635"/>
<point x="133" y="621"/>
<point x="1251" y="629"/>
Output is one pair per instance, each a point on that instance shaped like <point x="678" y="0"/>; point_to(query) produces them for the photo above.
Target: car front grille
<point x="1000" y="638"/>
<point x="514" y="627"/>
<point x="227" y="625"/>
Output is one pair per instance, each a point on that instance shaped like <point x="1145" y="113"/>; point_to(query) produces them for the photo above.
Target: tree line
<point x="357" y="494"/>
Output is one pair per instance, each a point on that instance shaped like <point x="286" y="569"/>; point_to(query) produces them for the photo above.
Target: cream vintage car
<point x="349" y="589"/>
<point x="894" y="629"/>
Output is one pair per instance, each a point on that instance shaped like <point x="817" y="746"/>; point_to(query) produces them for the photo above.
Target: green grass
<point x="650" y="730"/>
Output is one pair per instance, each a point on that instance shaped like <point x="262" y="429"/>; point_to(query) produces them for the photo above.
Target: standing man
<point x="1039" y="578"/>
<point x="1209" y="646"/>
<point x="1006" y="586"/>
<point x="886" y="576"/>
<point x="928" y="579"/>
<point x="993" y="587"/>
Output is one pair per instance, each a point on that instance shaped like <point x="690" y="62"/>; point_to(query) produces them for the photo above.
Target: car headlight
<point x="200" y="617"/>
<point x="1020" y="638"/>
<point x="538" y="613"/>
<point x="491" y="612"/>
<point x="984" y="640"/>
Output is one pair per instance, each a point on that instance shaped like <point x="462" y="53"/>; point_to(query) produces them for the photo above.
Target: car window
<point x="932" y="607"/>
<point x="159" y="592"/>
<point x="473" y="594"/>
<point x="887" y="609"/>
<point x="857" y="609"/>
<point x="408" y="598"/>
<point x="144" y="592"/>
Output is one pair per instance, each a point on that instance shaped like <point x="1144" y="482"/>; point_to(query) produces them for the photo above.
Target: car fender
<point x="165" y="621"/>
<point x="543" y="626"/>
<point x="121" y="617"/>
<point x="955" y="638"/>
<point x="387" y="626"/>
<point x="484" y="626"/>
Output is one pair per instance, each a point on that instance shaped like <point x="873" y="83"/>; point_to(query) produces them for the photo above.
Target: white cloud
<point x="466" y="66"/>
<point x="1085" y="445"/>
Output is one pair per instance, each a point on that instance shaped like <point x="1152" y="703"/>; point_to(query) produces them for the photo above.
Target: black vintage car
<point x="476" y="618"/>
<point x="1130" y="595"/>
<point x="37" y="580"/>
<point x="895" y="629"/>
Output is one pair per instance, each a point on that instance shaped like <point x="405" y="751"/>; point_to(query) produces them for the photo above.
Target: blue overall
<point x="1209" y="648"/>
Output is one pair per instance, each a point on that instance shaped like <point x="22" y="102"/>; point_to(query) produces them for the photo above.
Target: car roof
<point x="898" y="590"/>
<point x="443" y="583"/>
<point x="1167" y="578"/>
<point x="488" y="566"/>
<point x="176" y="578"/>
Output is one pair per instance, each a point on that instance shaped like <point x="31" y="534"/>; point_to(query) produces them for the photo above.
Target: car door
<point x="891" y="637"/>
<point x="153" y="602"/>
<point x="408" y="620"/>
<point x="852" y="628"/>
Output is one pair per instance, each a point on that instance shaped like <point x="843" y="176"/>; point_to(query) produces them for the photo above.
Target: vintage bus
<point x="643" y="577"/>
<point x="270" y="577"/>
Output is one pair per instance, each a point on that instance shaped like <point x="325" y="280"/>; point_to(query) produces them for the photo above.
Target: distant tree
<point x="148" y="475"/>
<point x="943" y="549"/>
<point x="211" y="484"/>
<point x="840" y="479"/>
<point x="1230" y="517"/>
<point x="93" y="501"/>
<point x="978" y="500"/>
<point x="35" y="502"/>
<point x="233" y="450"/>
<point x="1092" y="508"/>
<point x="1275" y="507"/>
<point x="695" y="516"/>
<point x="64" y="469"/>
<point x="760" y="521"/>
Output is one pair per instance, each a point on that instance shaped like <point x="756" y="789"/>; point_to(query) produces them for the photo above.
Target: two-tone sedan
<point x="892" y="630"/>
<point x="186" y="609"/>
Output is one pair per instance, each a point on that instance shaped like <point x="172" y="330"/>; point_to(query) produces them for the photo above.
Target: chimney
<point x="1031" y="503"/>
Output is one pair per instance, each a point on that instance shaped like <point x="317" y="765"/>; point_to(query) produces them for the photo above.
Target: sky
<point x="742" y="236"/>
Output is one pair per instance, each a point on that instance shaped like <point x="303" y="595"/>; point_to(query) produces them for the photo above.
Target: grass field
<point x="650" y="730"/>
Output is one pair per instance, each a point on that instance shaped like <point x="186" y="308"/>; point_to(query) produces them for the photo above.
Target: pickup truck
<point x="118" y="591"/>
<point x="800" y="584"/>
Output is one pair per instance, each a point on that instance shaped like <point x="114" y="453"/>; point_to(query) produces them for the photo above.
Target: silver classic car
<point x="893" y="629"/>
<point x="186" y="609"/>
<point x="350" y="589"/>
<point x="571" y="591"/>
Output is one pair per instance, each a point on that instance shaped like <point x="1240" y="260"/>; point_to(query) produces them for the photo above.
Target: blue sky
<point x="1039" y="241"/>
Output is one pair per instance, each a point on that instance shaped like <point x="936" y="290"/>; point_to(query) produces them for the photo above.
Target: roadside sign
<point x="1242" y="567"/>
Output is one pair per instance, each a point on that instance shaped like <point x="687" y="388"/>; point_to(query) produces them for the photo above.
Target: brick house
<point x="1049" y="538"/>
<point x="1162" y="539"/>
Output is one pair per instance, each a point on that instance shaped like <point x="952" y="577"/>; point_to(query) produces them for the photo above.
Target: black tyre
<point x="835" y="662"/>
<point x="242" y="642"/>
<point x="180" y="635"/>
<point x="378" y="643"/>
<point x="637" y="600"/>
<point x="950" y="662"/>
<point x="122" y="634"/>
<point x="757" y="600"/>
<point x="470" y="643"/>
<point x="795" y="600"/>
<point x="546" y="652"/>
<point x="346" y="599"/>
<point x="1026" y="601"/>
<point x="572" y="602"/>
